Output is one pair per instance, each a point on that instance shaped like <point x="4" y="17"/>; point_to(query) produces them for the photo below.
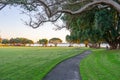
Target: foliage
<point x="108" y="22"/>
<point x="95" y="26"/>
<point x="44" y="42"/>
<point x="5" y="41"/>
<point x="20" y="41"/>
<point x="69" y="39"/>
<point x="55" y="41"/>
<point x="82" y="27"/>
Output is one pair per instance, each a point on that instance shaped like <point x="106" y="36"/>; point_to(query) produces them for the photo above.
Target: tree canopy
<point x="44" y="42"/>
<point x="41" y="11"/>
<point x="5" y="41"/>
<point x="95" y="26"/>
<point x="55" y="41"/>
<point x="19" y="41"/>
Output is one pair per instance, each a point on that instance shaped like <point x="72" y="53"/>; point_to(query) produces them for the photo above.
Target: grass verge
<point x="101" y="65"/>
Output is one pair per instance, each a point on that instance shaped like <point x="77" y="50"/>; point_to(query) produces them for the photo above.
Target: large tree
<point x="82" y="27"/>
<point x="108" y="23"/>
<point x="95" y="26"/>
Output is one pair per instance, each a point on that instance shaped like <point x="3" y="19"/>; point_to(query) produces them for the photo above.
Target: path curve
<point x="68" y="69"/>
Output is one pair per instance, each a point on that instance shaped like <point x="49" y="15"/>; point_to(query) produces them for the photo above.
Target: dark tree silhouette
<point x="55" y="41"/>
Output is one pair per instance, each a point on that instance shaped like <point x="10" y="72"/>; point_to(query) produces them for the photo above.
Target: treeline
<point x="17" y="41"/>
<point x="24" y="41"/>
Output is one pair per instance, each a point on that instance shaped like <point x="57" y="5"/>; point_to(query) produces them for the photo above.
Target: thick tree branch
<point x="50" y="9"/>
<point x="47" y="9"/>
<point x="2" y="6"/>
<point x="81" y="10"/>
<point x="90" y="5"/>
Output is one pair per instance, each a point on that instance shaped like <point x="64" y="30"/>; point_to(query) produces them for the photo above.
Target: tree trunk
<point x="86" y="45"/>
<point x="99" y="45"/>
<point x="113" y="45"/>
<point x="55" y="45"/>
<point x="70" y="45"/>
<point x="118" y="43"/>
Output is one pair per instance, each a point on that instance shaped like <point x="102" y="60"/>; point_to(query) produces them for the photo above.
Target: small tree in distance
<point x="44" y="42"/>
<point x="5" y="41"/>
<point x="55" y="41"/>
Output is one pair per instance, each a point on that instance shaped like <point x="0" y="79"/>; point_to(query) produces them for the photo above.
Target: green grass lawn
<point x="31" y="63"/>
<point x="101" y="65"/>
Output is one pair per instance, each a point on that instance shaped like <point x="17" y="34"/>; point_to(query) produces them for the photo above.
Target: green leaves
<point x="55" y="41"/>
<point x="95" y="25"/>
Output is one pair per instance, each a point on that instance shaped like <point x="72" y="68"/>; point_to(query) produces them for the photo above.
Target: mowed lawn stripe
<point x="101" y="65"/>
<point x="31" y="63"/>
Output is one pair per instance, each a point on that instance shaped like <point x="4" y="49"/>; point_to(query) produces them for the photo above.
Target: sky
<point x="11" y="26"/>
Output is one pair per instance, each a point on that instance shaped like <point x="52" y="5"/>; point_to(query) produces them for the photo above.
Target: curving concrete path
<point x="68" y="69"/>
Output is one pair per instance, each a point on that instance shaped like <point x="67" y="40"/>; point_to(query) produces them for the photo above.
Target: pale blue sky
<point x="12" y="26"/>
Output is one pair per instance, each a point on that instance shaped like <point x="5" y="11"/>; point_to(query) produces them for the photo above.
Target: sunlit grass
<point x="101" y="65"/>
<point x="31" y="63"/>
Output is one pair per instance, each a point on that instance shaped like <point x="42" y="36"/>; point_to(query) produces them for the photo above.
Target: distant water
<point x="66" y="45"/>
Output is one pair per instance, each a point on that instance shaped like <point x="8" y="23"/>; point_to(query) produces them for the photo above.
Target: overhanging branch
<point x="2" y="7"/>
<point x="81" y="10"/>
